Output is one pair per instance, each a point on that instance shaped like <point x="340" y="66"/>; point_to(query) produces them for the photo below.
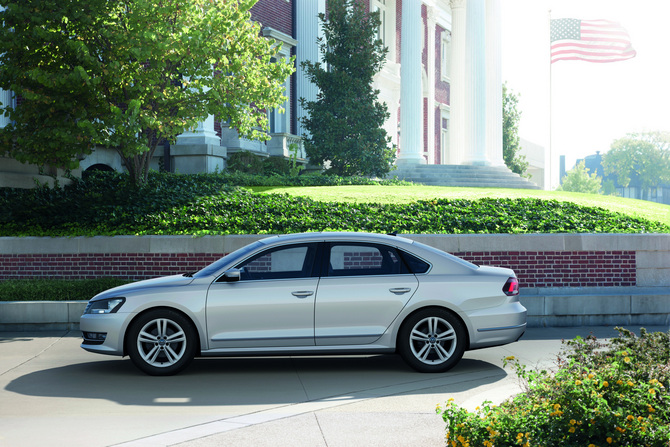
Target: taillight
<point x="511" y="287"/>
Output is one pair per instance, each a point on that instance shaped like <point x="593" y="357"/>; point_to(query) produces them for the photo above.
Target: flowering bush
<point x="601" y="394"/>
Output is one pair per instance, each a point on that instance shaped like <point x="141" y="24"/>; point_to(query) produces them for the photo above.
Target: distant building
<point x="536" y="158"/>
<point x="660" y="194"/>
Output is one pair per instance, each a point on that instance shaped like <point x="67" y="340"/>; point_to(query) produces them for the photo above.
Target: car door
<point x="362" y="289"/>
<point x="272" y="303"/>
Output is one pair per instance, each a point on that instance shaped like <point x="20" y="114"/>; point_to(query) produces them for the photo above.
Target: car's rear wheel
<point x="161" y="342"/>
<point x="432" y="340"/>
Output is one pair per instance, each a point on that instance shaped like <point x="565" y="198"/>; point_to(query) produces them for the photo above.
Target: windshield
<point x="230" y="258"/>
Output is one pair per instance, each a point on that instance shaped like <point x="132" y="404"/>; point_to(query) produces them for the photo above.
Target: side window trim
<point x="326" y="271"/>
<point x="313" y="253"/>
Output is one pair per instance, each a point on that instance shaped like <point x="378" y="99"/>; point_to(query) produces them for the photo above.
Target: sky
<point x="591" y="104"/>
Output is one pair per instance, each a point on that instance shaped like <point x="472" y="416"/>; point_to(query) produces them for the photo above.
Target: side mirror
<point x="231" y="275"/>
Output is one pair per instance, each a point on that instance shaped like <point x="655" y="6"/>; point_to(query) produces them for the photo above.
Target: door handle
<point x="302" y="293"/>
<point x="400" y="290"/>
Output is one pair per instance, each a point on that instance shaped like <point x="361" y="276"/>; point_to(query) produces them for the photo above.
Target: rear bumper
<point x="498" y="325"/>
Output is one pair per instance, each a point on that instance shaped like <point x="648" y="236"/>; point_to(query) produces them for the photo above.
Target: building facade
<point x="441" y="83"/>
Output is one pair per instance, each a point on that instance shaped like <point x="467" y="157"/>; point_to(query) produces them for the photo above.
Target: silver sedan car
<point x="311" y="294"/>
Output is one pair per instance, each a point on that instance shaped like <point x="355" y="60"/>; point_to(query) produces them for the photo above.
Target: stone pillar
<point x="456" y="153"/>
<point x="307" y="30"/>
<point x="203" y="133"/>
<point x="198" y="150"/>
<point x="475" y="83"/>
<point x="494" y="83"/>
<point x="430" y="71"/>
<point x="411" y="98"/>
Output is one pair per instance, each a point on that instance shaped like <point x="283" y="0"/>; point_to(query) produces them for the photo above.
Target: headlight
<point x="106" y="306"/>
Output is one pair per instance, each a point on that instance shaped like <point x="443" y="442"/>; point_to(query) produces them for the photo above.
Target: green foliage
<point x="128" y="74"/>
<point x="109" y="204"/>
<point x="55" y="289"/>
<point x="511" y="143"/>
<point x="602" y="394"/>
<point x="345" y="123"/>
<point x="645" y="157"/>
<point x="578" y="179"/>
<point x="245" y="161"/>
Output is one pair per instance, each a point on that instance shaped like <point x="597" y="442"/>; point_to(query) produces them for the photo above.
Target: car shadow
<point x="252" y="381"/>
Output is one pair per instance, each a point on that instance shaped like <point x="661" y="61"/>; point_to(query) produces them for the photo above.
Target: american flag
<point x="589" y="40"/>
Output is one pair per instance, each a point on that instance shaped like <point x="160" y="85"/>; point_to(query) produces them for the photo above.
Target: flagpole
<point x="550" y="108"/>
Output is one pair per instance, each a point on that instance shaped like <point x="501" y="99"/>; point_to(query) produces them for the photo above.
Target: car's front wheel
<point x="161" y="342"/>
<point x="432" y="340"/>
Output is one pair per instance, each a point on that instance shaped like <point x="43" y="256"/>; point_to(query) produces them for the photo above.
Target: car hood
<point x="174" y="280"/>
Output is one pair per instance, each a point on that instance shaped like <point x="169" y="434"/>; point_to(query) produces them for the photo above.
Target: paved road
<point x="54" y="393"/>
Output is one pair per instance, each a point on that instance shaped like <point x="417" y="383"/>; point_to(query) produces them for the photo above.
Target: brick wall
<point x="534" y="268"/>
<point x="564" y="268"/>
<point x="276" y="14"/>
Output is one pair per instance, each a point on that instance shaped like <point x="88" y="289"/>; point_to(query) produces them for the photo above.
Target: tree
<point x="511" y="143"/>
<point x="578" y="179"/>
<point x="345" y="122"/>
<point x="129" y="74"/>
<point x="644" y="157"/>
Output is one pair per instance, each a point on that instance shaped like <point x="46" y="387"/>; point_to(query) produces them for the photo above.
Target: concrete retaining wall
<point x="634" y="287"/>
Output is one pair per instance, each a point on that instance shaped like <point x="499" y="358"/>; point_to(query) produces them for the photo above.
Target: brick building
<point x="441" y="84"/>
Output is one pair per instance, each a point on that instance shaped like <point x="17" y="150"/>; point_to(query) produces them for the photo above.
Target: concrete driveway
<point x="54" y="393"/>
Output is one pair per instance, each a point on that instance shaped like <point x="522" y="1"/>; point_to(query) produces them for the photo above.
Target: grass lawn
<point x="405" y="194"/>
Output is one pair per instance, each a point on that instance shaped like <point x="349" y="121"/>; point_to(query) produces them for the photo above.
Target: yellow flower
<point x="591" y="376"/>
<point x="609" y="440"/>
<point x="606" y="384"/>
<point x="571" y="429"/>
<point x="619" y="382"/>
<point x="652" y="391"/>
<point x="626" y="359"/>
<point x="578" y="382"/>
<point x="557" y="406"/>
<point x="630" y="383"/>
<point x="592" y="445"/>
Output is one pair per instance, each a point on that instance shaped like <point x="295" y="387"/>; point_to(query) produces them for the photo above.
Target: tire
<point x="432" y="341"/>
<point x="161" y="342"/>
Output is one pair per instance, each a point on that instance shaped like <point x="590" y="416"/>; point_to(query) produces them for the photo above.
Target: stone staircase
<point x="463" y="176"/>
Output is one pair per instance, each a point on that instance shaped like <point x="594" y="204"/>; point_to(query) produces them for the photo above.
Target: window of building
<point x="444" y="135"/>
<point x="445" y="56"/>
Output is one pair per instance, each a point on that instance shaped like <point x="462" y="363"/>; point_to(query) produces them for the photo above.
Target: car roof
<point x="337" y="236"/>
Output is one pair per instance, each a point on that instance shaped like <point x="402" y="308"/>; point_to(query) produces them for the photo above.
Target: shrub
<point x="245" y="161"/>
<point x="601" y="394"/>
<point x="55" y="289"/>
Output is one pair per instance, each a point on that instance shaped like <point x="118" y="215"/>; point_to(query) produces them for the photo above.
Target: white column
<point x="307" y="30"/>
<point x="411" y="98"/>
<point x="430" y="69"/>
<point x="475" y="83"/>
<point x="494" y="83"/>
<point x="6" y="99"/>
<point x="457" y="86"/>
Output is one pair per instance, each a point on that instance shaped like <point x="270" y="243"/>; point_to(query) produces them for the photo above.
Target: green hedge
<point x="55" y="289"/>
<point x="107" y="204"/>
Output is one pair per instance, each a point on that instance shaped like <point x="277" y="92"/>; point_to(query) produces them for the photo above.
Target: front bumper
<point x="113" y="325"/>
